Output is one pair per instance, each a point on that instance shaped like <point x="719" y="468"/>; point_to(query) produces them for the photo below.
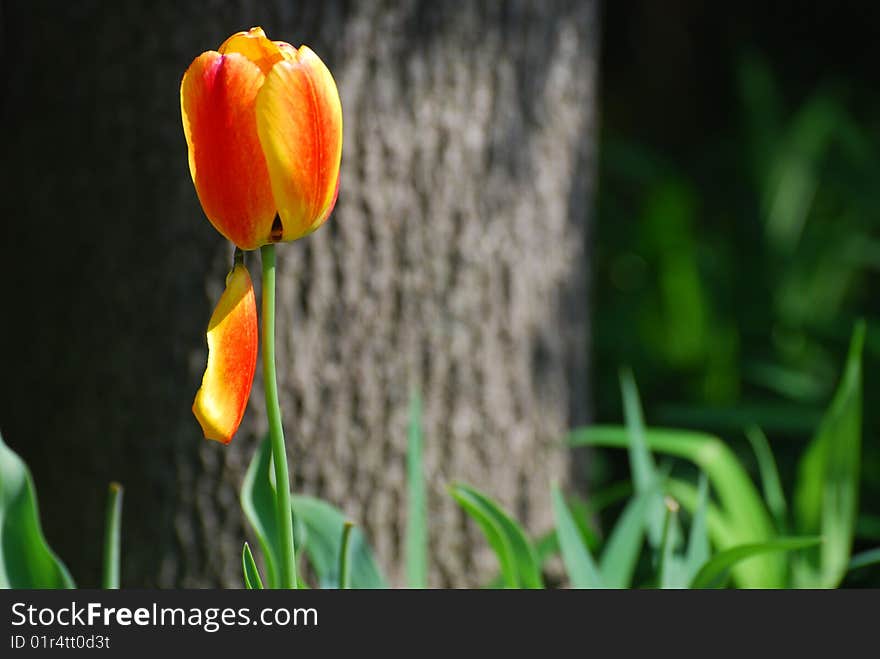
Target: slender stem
<point x="112" y="521"/>
<point x="416" y="527"/>
<point x="276" y="432"/>
<point x="667" y="542"/>
<point x="344" y="558"/>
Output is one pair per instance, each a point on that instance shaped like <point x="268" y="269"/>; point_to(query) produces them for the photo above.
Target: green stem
<point x="344" y="558"/>
<point x="111" y="537"/>
<point x="276" y="432"/>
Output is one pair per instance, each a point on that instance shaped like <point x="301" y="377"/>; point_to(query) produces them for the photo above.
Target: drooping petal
<point x="299" y="122"/>
<point x="254" y="45"/>
<point x="232" y="358"/>
<point x="217" y="101"/>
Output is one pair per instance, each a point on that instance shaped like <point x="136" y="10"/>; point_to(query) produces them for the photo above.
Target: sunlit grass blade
<point x="698" y="541"/>
<point x="26" y="560"/>
<point x="621" y="553"/>
<point x="112" y="524"/>
<point x="520" y="567"/>
<point x="547" y="545"/>
<point x="773" y="494"/>
<point x="417" y="510"/>
<point x="826" y="490"/>
<point x="864" y="559"/>
<point x="671" y="570"/>
<point x="324" y="524"/>
<point x="252" y="580"/>
<point x="644" y="472"/>
<point x="744" y="516"/>
<point x="713" y="573"/>
<point x="579" y="564"/>
<point x="344" y="557"/>
<point x="258" y="503"/>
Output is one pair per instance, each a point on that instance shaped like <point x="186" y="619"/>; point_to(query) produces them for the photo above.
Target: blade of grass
<point x="416" y="521"/>
<point x="826" y="490"/>
<point x="584" y="516"/>
<point x="579" y="564"/>
<point x="670" y="569"/>
<point x="698" y="542"/>
<point x="621" y="552"/>
<point x="518" y="558"/>
<point x="252" y="580"/>
<point x="112" y="523"/>
<point x="714" y="572"/>
<point x="770" y="482"/>
<point x="258" y="503"/>
<point x="864" y="559"/>
<point x="344" y="557"/>
<point x="641" y="462"/>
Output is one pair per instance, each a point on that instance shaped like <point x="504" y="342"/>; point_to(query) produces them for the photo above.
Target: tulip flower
<point x="232" y="358"/>
<point x="263" y="126"/>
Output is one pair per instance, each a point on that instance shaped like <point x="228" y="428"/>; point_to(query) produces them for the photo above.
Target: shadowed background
<point x="730" y="245"/>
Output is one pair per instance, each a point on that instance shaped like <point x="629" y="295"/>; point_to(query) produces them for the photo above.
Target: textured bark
<point x="455" y="263"/>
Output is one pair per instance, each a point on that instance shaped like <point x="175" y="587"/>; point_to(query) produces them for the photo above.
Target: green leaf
<point x="773" y="493"/>
<point x="258" y="503"/>
<point x="621" y="552"/>
<point x="26" y="560"/>
<point x="826" y="490"/>
<point x="112" y="522"/>
<point x="520" y="567"/>
<point x="714" y="572"/>
<point x="417" y="509"/>
<point x="641" y="462"/>
<point x="742" y="513"/>
<point x="698" y="542"/>
<point x="582" y="569"/>
<point x="324" y="524"/>
<point x="252" y="578"/>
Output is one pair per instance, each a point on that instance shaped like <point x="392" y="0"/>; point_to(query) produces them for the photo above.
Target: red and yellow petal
<point x="232" y="358"/>
<point x="218" y="105"/>
<point x="299" y="123"/>
<point x="254" y="45"/>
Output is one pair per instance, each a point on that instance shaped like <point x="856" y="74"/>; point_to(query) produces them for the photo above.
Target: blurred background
<point x="738" y="225"/>
<point x="534" y="195"/>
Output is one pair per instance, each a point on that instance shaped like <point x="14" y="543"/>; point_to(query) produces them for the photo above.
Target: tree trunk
<point x="454" y="264"/>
